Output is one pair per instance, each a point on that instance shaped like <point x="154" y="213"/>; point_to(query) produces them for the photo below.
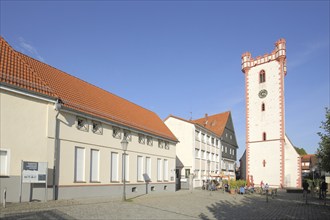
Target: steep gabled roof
<point x="16" y="72"/>
<point x="215" y="123"/>
<point x="22" y="71"/>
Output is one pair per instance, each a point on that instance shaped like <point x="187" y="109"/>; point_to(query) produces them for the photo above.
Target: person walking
<point x="305" y="188"/>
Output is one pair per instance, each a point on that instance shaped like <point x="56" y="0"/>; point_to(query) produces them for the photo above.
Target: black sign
<point x="30" y="165"/>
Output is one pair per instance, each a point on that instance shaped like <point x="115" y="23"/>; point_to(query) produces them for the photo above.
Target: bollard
<point x="267" y="195"/>
<point x="4" y="197"/>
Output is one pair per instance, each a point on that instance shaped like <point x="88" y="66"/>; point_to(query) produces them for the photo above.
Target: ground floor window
<point x="79" y="164"/>
<point x="4" y="162"/>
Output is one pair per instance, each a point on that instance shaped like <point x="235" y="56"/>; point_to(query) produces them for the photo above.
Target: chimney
<point x="206" y="119"/>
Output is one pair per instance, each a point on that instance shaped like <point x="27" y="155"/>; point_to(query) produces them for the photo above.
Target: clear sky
<point x="182" y="57"/>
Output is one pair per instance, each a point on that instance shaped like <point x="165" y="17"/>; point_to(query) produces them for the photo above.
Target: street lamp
<point x="124" y="144"/>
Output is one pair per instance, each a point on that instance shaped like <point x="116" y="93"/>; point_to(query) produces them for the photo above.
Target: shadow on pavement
<point x="256" y="207"/>
<point x="39" y="215"/>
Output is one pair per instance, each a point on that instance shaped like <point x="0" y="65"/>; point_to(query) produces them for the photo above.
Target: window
<point x="148" y="167"/>
<point x="196" y="153"/>
<point x="196" y="135"/>
<point x="203" y="138"/>
<point x="159" y="170"/>
<point x="149" y="141"/>
<point x="264" y="136"/>
<point x="222" y="148"/>
<point x="212" y="141"/>
<point x="140" y="168"/>
<point x="217" y="142"/>
<point x="262" y="76"/>
<point x="225" y="149"/>
<point x="126" y="159"/>
<point x="97" y="127"/>
<point x="114" y="166"/>
<point x="161" y="144"/>
<point x="116" y="132"/>
<point x="208" y="139"/>
<point x="82" y="124"/>
<point x="203" y="154"/>
<point x="167" y="145"/>
<point x="187" y="173"/>
<point x="95" y="164"/>
<point x="142" y="139"/>
<point x="165" y="170"/>
<point x="127" y="135"/>
<point x="263" y="107"/>
<point x="4" y="162"/>
<point x="79" y="164"/>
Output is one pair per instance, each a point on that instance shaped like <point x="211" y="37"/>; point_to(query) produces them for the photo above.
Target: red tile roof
<point x="215" y="123"/>
<point x="22" y="71"/>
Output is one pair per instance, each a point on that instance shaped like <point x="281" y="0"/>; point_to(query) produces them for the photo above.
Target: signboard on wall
<point x="34" y="172"/>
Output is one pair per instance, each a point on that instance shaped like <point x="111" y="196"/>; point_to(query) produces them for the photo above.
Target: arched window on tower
<point x="262" y="76"/>
<point x="264" y="136"/>
<point x="263" y="107"/>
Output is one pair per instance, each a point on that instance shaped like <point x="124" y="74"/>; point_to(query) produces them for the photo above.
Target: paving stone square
<point x="197" y="204"/>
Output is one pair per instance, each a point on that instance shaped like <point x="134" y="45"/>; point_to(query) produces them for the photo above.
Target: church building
<point x="270" y="156"/>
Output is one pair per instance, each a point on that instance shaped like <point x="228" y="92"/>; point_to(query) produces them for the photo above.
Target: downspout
<point x="57" y="108"/>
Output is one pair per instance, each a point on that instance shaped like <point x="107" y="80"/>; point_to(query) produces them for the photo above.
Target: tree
<point x="323" y="152"/>
<point x="300" y="151"/>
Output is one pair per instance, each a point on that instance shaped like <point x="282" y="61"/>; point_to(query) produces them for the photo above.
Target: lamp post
<point x="124" y="144"/>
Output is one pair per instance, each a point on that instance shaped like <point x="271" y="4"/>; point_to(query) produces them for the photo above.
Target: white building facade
<point x="49" y="116"/>
<point x="203" y="152"/>
<point x="270" y="156"/>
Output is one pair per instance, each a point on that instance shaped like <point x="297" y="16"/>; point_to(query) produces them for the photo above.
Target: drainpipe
<point x="57" y="108"/>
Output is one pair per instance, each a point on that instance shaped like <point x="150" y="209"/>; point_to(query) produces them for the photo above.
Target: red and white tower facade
<point x="270" y="156"/>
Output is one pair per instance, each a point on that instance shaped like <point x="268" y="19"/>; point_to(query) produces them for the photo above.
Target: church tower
<point x="270" y="156"/>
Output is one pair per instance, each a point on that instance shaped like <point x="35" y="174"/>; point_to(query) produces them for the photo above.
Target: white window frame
<point x="139" y="168"/>
<point x="114" y="175"/>
<point x="142" y="139"/>
<point x="5" y="161"/>
<point x="95" y="166"/>
<point x="159" y="170"/>
<point x="126" y="166"/>
<point x="148" y="167"/>
<point x="165" y="170"/>
<point x="79" y="168"/>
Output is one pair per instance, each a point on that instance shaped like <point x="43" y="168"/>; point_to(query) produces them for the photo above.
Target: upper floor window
<point x="196" y="135"/>
<point x="82" y="124"/>
<point x="97" y="127"/>
<point x="116" y="132"/>
<point x="142" y="139"/>
<point x="149" y="141"/>
<point x="127" y="135"/>
<point x="262" y="76"/>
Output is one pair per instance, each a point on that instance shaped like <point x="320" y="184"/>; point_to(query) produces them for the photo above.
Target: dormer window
<point x="97" y="127"/>
<point x="262" y="76"/>
<point x="82" y="124"/>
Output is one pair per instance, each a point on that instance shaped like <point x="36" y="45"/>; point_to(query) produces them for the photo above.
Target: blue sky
<point x="182" y="57"/>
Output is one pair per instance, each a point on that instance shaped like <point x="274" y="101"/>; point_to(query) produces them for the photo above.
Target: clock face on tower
<point x="263" y="93"/>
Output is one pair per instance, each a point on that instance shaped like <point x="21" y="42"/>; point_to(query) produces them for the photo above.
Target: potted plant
<point x="233" y="186"/>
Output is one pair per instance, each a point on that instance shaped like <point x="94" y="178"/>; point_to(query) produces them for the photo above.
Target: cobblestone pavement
<point x="179" y="205"/>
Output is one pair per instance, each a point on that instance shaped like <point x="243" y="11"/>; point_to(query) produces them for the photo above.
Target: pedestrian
<point x="324" y="187"/>
<point x="266" y="188"/>
<point x="262" y="185"/>
<point x="305" y="188"/>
